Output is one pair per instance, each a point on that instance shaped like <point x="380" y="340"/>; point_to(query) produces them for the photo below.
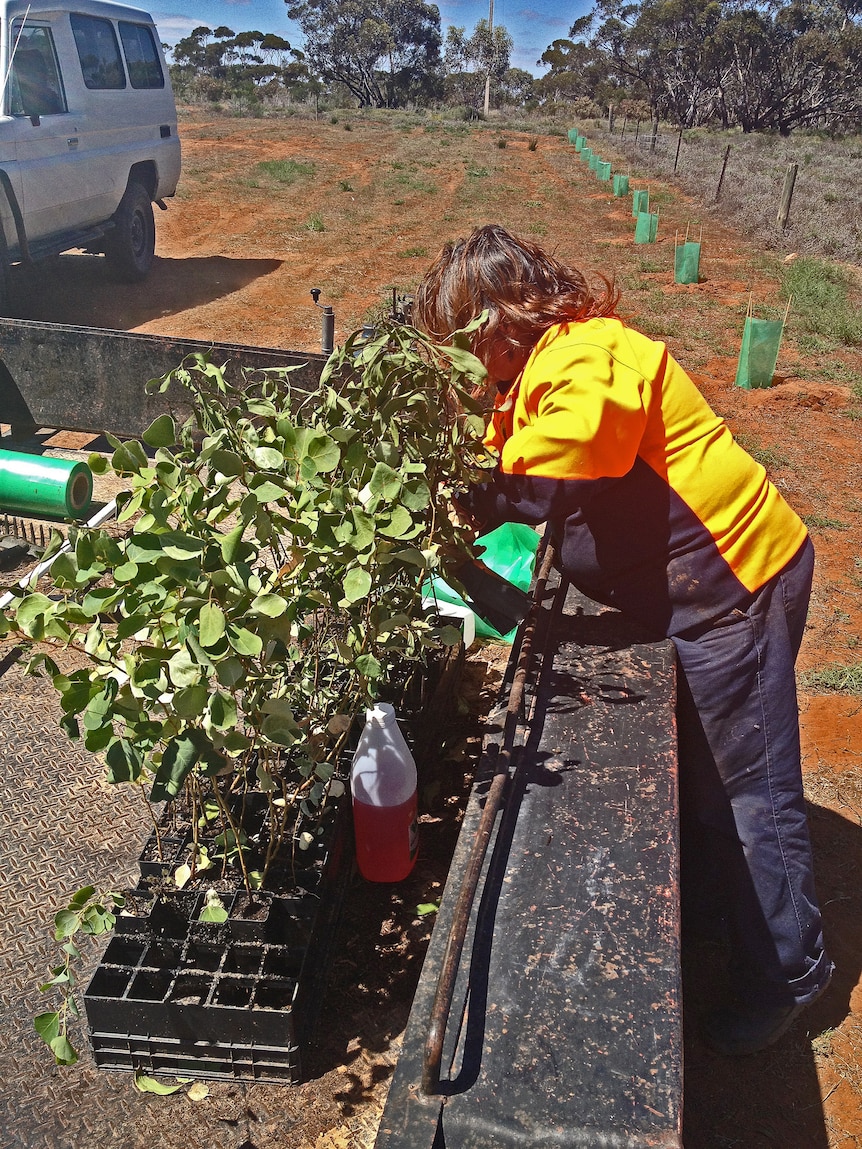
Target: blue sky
<point x="532" y="24"/>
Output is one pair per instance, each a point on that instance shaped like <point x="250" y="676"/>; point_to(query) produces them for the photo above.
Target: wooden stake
<point x="678" y="146"/>
<point x="787" y="196"/>
<point x="723" y="170"/>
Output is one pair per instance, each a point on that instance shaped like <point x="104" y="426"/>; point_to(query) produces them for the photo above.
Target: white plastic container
<point x="383" y="789"/>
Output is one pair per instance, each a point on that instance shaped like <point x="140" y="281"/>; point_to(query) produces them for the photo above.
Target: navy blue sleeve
<point x="530" y="499"/>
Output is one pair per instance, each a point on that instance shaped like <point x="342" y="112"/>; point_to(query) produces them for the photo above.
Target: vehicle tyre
<point x="131" y="245"/>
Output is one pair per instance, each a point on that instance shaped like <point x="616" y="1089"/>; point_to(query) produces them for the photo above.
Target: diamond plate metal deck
<point x="62" y="826"/>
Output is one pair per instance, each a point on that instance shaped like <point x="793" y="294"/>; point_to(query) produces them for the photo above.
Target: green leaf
<point x="412" y="556"/>
<point x="66" y="922"/>
<point x="268" y="458"/>
<point x="385" y="482"/>
<point x="162" y="432"/>
<point x="416" y="495"/>
<point x="179" y="759"/>
<point x="230" y="672"/>
<point x="226" y="463"/>
<point x="363" y="529"/>
<point x="183" y="669"/>
<point x="357" y="584"/>
<point x="31" y="613"/>
<point x="222" y="711"/>
<point x="211" y="621"/>
<point x="245" y="642"/>
<point x="368" y="665"/>
<point x="400" y="526"/>
<point x="97" y="463"/>
<point x="82" y="896"/>
<point x="269" y="605"/>
<point x="213" y="914"/>
<point x="129" y="458"/>
<point x="126" y="572"/>
<point x="268" y="492"/>
<point x="191" y="701"/>
<point x="230" y="543"/>
<point x="425" y="908"/>
<point x="47" y="1025"/>
<point x="324" y="452"/>
<point x="279" y="724"/>
<point x="145" y="1084"/>
<point x="64" y="1053"/>
<point x="124" y="762"/>
<point x="179" y="545"/>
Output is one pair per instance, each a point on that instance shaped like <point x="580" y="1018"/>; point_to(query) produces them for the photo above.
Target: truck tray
<point x="565" y="1027"/>
<point x="93" y="379"/>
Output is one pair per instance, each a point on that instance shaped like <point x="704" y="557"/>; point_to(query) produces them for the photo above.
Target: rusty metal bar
<point x="442" y="1004"/>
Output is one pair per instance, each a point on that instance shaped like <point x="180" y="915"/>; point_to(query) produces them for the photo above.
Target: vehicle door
<point x="44" y="133"/>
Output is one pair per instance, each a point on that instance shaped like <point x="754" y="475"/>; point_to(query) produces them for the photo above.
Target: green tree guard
<point x="603" y="171"/>
<point x="761" y="339"/>
<point x="573" y="136"/>
<point x="640" y="202"/>
<point x="621" y="184"/>
<point x="580" y="142"/>
<point x="586" y="153"/>
<point x="646" y="228"/>
<point x="594" y="162"/>
<point x="686" y="262"/>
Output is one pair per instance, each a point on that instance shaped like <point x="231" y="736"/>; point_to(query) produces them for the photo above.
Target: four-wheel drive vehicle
<point x="88" y="133"/>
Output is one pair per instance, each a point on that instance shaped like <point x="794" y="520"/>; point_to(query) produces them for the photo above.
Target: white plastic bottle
<point x="383" y="788"/>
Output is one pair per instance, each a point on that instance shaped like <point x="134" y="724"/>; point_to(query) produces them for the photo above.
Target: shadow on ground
<point x="774" y="1098"/>
<point x="77" y="289"/>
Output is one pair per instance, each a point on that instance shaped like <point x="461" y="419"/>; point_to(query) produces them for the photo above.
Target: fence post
<point x="654" y="135"/>
<point x="723" y="169"/>
<point x="678" y="146"/>
<point x="637" y="130"/>
<point x="610" y="119"/>
<point x="623" y="132"/>
<point x="787" y="196"/>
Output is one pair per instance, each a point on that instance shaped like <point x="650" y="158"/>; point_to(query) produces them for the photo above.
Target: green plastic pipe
<point x="39" y="485"/>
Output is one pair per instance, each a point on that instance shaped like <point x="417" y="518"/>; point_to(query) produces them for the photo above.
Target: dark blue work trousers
<point x="743" y="822"/>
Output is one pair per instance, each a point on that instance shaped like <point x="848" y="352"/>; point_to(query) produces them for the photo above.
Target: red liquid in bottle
<point x="386" y="840"/>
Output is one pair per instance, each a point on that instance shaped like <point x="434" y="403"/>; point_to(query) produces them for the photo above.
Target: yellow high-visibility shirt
<point x="656" y="509"/>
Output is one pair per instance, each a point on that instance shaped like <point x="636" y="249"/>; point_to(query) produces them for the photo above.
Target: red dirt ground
<point x="237" y="255"/>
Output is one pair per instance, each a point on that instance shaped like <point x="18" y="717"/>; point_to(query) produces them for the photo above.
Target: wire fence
<point x="799" y="194"/>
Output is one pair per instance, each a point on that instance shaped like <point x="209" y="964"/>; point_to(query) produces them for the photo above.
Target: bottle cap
<point x="380" y="714"/>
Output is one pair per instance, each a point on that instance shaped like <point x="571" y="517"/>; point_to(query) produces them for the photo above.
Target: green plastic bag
<point x="686" y="263"/>
<point x="603" y="171"/>
<point x="646" y="228"/>
<point x="758" y="355"/>
<point x="640" y="202"/>
<point x="621" y="184"/>
<point x="509" y="551"/>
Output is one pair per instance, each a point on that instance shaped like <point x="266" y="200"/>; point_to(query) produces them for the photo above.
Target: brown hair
<point x="524" y="290"/>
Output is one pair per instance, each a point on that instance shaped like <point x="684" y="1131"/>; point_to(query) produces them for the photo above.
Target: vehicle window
<point x="98" y="52"/>
<point x="34" y="81"/>
<point x="142" y="57"/>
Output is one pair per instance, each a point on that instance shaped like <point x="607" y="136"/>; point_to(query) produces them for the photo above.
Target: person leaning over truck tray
<point x="656" y="510"/>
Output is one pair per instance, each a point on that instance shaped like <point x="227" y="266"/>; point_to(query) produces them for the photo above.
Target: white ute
<point x="88" y="134"/>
